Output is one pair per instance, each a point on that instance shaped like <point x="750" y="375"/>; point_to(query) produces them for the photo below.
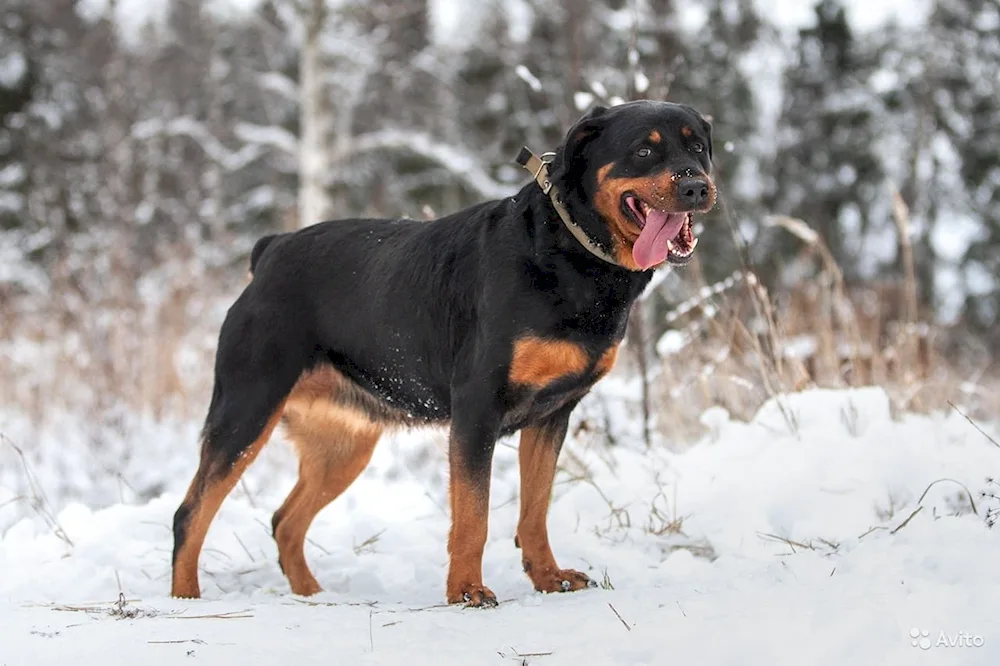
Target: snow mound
<point x="822" y="409"/>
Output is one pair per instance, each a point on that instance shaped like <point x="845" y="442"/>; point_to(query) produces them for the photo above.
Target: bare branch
<point x="196" y="130"/>
<point x="462" y="164"/>
<point x="268" y="135"/>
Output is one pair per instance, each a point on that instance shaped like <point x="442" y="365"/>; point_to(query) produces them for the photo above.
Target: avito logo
<point x="922" y="639"/>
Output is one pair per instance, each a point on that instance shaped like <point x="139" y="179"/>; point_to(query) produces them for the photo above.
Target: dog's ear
<point x="585" y="129"/>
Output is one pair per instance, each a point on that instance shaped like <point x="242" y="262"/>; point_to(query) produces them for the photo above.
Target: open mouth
<point x="663" y="235"/>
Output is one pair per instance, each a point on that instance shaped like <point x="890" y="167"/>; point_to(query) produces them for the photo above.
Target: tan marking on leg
<point x="313" y="401"/>
<point x="467" y="540"/>
<point x="538" y="362"/>
<point x="204" y="497"/>
<point x="314" y="414"/>
<point x="537" y="457"/>
<point x="538" y="467"/>
<point x="332" y="454"/>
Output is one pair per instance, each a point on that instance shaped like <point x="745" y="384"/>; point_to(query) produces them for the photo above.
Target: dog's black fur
<point x="422" y="319"/>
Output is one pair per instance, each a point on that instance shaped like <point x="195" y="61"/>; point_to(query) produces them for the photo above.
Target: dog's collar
<point x="539" y="168"/>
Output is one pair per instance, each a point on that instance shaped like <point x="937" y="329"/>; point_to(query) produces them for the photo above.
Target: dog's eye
<point x="698" y="147"/>
<point x="643" y="152"/>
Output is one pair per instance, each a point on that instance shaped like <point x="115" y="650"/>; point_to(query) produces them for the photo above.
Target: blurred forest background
<point x="140" y="160"/>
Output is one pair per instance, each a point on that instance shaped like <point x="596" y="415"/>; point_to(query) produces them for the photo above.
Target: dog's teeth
<point x="694" y="243"/>
<point x="689" y="250"/>
<point x="670" y="246"/>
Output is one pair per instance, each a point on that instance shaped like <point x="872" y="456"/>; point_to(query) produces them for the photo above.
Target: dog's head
<point x="633" y="175"/>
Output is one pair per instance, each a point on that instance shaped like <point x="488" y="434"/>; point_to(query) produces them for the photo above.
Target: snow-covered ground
<point x="815" y="534"/>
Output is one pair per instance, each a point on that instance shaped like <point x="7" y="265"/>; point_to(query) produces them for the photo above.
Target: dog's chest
<point x="570" y="335"/>
<point x="546" y="374"/>
<point x="539" y="362"/>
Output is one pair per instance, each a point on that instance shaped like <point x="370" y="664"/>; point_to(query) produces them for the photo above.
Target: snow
<point x="671" y="343"/>
<point x="10" y="202"/>
<point x="641" y="83"/>
<point x="264" y="135"/>
<point x="280" y="84"/>
<point x="525" y="75"/>
<point x="582" y="100"/>
<point x="13" y="67"/>
<point x="801" y="347"/>
<point x="865" y="16"/>
<point x="12" y="175"/>
<point x="789" y="15"/>
<point x="14" y="246"/>
<point x="132" y="15"/>
<point x="813" y="534"/>
<point x="457" y="23"/>
<point x="868" y="16"/>
<point x="692" y="17"/>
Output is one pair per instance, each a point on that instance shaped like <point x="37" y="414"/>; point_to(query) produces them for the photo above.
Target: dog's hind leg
<point x="334" y="445"/>
<point x="254" y="373"/>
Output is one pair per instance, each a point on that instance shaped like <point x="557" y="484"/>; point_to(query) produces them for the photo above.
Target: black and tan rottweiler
<point x="496" y="319"/>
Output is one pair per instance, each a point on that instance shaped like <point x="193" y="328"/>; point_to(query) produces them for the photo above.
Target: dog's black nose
<point x="692" y="192"/>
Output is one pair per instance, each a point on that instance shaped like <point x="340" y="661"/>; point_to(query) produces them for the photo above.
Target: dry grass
<point x="36" y="497"/>
<point x="144" y="348"/>
<point x="991" y="494"/>
<point x="735" y="345"/>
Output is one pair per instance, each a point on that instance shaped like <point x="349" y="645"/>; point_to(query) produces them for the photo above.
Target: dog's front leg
<point x="474" y="430"/>
<point x="538" y="453"/>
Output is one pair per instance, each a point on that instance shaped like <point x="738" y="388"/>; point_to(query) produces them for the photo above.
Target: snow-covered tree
<point x="827" y="169"/>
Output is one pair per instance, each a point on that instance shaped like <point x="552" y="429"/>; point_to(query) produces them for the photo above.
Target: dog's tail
<point x="258" y="251"/>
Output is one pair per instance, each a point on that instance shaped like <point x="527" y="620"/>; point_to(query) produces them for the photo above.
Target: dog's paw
<point x="473" y="596"/>
<point x="561" y="580"/>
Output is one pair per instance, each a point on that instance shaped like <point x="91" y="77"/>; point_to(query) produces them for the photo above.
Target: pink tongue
<point x="651" y="246"/>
